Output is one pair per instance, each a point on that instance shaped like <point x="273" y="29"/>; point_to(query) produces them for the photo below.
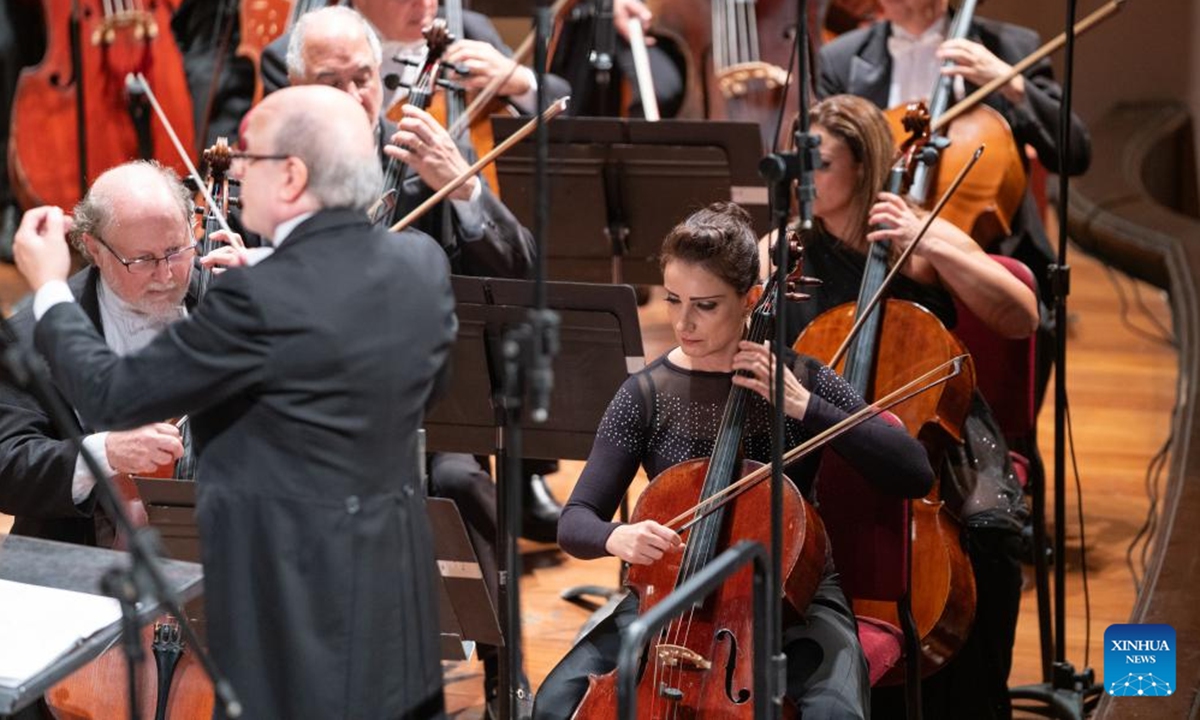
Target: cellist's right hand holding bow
<point x="642" y="543"/>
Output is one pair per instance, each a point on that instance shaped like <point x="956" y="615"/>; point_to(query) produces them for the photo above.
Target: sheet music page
<point x="39" y="624"/>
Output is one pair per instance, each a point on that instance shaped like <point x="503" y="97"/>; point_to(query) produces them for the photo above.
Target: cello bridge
<point x="676" y="655"/>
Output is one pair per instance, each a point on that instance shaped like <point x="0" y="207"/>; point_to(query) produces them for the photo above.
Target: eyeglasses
<point x="147" y="265"/>
<point x="247" y="158"/>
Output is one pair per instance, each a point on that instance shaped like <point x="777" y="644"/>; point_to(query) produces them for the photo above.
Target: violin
<point x="985" y="204"/>
<point x="897" y="340"/>
<point x="81" y="97"/>
<point x="698" y="664"/>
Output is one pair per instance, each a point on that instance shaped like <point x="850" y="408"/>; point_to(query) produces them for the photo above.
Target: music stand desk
<point x="78" y="568"/>
<point x="632" y="180"/>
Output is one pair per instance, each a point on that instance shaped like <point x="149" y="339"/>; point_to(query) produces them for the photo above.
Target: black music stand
<point x="650" y="176"/>
<point x="465" y="610"/>
<point x="75" y="567"/>
<point x="600" y="345"/>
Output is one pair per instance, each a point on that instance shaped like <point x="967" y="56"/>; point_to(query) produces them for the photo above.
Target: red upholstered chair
<point x="1006" y="371"/>
<point x="869" y="537"/>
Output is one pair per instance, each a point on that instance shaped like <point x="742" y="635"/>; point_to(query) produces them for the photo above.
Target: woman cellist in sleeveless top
<point x="670" y="412"/>
<point x="977" y="479"/>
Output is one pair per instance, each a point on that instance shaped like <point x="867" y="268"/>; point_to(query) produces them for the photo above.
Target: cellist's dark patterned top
<point x="665" y="414"/>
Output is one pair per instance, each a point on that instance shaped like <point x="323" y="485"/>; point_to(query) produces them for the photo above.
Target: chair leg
<point x="912" y="659"/>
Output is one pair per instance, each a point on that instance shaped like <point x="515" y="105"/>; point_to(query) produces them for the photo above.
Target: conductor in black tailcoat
<point x="306" y="376"/>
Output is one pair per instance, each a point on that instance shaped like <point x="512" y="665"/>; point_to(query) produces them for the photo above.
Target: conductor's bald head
<point x="306" y="148"/>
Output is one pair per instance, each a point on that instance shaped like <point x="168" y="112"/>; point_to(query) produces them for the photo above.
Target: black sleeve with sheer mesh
<point x="665" y="414"/>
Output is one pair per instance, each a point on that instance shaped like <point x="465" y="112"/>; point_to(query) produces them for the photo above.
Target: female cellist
<point x="670" y="412"/>
<point x="977" y="480"/>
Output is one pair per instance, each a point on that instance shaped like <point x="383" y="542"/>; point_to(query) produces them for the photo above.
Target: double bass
<point x="699" y="664"/>
<point x="899" y="340"/>
<point x="78" y="112"/>
<point x="737" y="55"/>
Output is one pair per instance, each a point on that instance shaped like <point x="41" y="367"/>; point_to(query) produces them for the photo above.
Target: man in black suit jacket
<point x="863" y="62"/>
<point x="306" y="377"/>
<point x="138" y="210"/>
<point x="336" y="46"/>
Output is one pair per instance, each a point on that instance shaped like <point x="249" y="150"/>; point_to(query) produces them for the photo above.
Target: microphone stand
<point x="143" y="579"/>
<point x="1066" y="693"/>
<point x="602" y="58"/>
<point x="781" y="170"/>
<point x="529" y="351"/>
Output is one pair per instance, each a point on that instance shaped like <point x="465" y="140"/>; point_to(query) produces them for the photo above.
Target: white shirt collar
<point x="285" y="228"/>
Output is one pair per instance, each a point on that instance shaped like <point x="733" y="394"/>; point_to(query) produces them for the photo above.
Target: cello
<point x="697" y="663"/>
<point x="180" y="688"/>
<point x="898" y="340"/>
<point x="986" y="202"/>
<point x="81" y="96"/>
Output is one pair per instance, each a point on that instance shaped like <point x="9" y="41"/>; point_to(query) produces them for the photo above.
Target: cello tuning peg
<point x="797" y="296"/>
<point x="450" y="85"/>
<point x="807" y="281"/>
<point x="458" y="68"/>
<point x="403" y="60"/>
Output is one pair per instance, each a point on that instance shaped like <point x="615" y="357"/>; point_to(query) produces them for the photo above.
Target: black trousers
<point x="826" y="672"/>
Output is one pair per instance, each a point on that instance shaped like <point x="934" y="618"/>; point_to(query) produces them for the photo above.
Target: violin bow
<point x="641" y="64"/>
<point x="887" y="280"/>
<point x="187" y="161"/>
<point x="554" y="110"/>
<point x="909" y="390"/>
<point x="1101" y="14"/>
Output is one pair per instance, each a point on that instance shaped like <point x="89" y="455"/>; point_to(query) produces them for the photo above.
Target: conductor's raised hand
<point x="40" y="246"/>
<point x="642" y="543"/>
<point x="756" y="360"/>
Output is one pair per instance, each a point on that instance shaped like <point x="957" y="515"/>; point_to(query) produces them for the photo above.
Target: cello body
<point x="73" y="115"/>
<point x="912" y="341"/>
<point x="720" y="632"/>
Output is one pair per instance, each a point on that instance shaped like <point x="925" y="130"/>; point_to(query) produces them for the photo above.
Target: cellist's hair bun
<point x="721" y="239"/>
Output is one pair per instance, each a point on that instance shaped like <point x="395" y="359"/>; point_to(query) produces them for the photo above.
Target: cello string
<point x="720" y="473"/>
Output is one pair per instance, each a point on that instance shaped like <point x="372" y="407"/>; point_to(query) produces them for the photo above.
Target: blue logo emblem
<point x="1139" y="660"/>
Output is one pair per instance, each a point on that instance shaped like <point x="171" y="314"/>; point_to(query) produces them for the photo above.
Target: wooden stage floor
<point x="1122" y="391"/>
